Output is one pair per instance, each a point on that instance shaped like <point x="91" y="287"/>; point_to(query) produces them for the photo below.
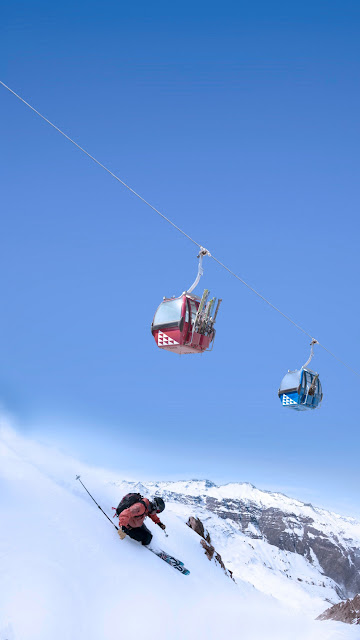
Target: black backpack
<point x="128" y="500"/>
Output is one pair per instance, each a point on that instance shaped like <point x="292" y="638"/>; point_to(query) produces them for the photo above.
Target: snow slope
<point x="66" y="575"/>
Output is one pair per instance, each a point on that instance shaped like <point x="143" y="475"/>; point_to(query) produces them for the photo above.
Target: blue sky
<point x="240" y="123"/>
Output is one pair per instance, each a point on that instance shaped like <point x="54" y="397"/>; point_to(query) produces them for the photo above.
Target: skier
<point x="131" y="520"/>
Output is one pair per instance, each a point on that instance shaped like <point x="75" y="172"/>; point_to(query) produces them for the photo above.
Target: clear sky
<point x="240" y="122"/>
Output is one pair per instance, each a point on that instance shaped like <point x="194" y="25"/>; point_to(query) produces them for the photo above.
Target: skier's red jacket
<point x="135" y="515"/>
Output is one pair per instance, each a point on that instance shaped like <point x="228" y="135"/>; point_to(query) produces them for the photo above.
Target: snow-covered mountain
<point x="293" y="539"/>
<point x="65" y="573"/>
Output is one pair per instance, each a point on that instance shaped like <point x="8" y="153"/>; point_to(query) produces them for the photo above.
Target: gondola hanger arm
<point x="203" y="252"/>
<point x="312" y="343"/>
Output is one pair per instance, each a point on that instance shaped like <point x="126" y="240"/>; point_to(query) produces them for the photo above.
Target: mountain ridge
<point x="163" y="484"/>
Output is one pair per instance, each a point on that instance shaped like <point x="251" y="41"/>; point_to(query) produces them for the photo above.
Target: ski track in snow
<point x="65" y="575"/>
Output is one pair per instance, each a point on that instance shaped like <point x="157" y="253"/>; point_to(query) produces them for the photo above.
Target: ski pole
<point x="163" y="530"/>
<point x="114" y="525"/>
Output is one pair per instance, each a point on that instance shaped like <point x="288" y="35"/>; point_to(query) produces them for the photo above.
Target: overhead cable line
<point x="284" y="315"/>
<point x="99" y="163"/>
<point x="175" y="226"/>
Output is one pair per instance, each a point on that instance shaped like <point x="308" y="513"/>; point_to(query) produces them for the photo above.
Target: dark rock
<point x="348" y="611"/>
<point x="198" y="527"/>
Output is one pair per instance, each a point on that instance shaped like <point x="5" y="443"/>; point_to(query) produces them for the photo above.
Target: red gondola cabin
<point x="179" y="326"/>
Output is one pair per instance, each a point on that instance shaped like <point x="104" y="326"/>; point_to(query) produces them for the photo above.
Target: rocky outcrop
<point x="198" y="527"/>
<point x="348" y="611"/>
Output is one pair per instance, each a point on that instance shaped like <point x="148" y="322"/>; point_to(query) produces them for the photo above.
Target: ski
<point x="174" y="562"/>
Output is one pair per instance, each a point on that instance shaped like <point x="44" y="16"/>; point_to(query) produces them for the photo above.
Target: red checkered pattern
<point x="164" y="340"/>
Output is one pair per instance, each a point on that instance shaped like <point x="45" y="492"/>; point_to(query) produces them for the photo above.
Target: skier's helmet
<point x="159" y="504"/>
